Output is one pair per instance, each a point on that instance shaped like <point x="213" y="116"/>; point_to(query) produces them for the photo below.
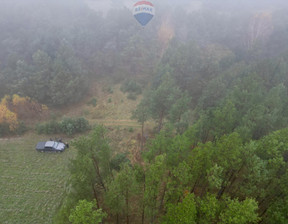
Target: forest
<point x="209" y="85"/>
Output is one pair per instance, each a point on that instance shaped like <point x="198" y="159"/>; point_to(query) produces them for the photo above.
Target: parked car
<point x="50" y="146"/>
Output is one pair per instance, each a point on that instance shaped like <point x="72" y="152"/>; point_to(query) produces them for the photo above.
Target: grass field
<point x="32" y="183"/>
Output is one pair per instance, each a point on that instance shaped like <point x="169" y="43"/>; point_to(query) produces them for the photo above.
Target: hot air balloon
<point x="143" y="11"/>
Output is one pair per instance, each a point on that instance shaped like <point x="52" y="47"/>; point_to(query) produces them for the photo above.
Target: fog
<point x="195" y="99"/>
<point x="100" y="37"/>
<point x="222" y="5"/>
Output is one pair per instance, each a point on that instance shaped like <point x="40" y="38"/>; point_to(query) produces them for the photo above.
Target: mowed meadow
<point x="32" y="183"/>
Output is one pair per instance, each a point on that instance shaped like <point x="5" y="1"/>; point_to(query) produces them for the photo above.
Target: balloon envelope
<point x="143" y="11"/>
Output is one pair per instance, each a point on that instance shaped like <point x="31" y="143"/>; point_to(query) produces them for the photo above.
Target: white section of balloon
<point x="143" y="11"/>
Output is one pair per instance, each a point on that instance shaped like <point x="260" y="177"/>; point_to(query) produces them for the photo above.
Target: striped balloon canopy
<point x="143" y="11"/>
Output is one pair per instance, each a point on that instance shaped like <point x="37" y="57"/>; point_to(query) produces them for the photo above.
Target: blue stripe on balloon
<point x="143" y="18"/>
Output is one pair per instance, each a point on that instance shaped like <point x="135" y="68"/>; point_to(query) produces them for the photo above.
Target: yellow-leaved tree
<point x="7" y="116"/>
<point x="15" y="108"/>
<point x="26" y="108"/>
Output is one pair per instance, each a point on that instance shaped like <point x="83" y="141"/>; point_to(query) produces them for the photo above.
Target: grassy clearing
<point x="110" y="105"/>
<point x="32" y="183"/>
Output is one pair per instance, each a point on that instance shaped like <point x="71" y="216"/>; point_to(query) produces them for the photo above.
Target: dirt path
<point x="117" y="122"/>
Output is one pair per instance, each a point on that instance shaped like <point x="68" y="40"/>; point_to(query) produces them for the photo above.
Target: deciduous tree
<point x="86" y="212"/>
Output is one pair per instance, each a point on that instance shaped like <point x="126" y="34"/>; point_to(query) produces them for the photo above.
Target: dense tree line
<point x="182" y="180"/>
<point x="50" y="50"/>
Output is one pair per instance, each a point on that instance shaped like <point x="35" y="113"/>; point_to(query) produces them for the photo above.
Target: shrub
<point x="81" y="124"/>
<point x="51" y="127"/>
<point x="68" y="126"/>
<point x="21" y="129"/>
<point x="92" y="102"/>
<point x="118" y="160"/>
<point x="131" y="86"/>
<point x="4" y="129"/>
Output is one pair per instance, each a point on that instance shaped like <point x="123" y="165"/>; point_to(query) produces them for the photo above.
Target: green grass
<point x="32" y="184"/>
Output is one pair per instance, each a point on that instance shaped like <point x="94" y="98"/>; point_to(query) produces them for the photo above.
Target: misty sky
<point x="193" y="5"/>
<point x="104" y="6"/>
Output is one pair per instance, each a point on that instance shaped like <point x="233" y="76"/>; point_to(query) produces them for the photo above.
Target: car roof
<point x="49" y="144"/>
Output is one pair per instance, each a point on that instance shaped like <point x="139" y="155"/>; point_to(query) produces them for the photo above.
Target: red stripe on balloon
<point x="143" y="3"/>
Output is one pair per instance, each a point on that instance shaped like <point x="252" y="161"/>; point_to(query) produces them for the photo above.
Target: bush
<point x="92" y="102"/>
<point x="5" y="129"/>
<point x="118" y="160"/>
<point x="22" y="128"/>
<point x="131" y="87"/>
<point x="82" y="124"/>
<point x="68" y="126"/>
<point x="51" y="127"/>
